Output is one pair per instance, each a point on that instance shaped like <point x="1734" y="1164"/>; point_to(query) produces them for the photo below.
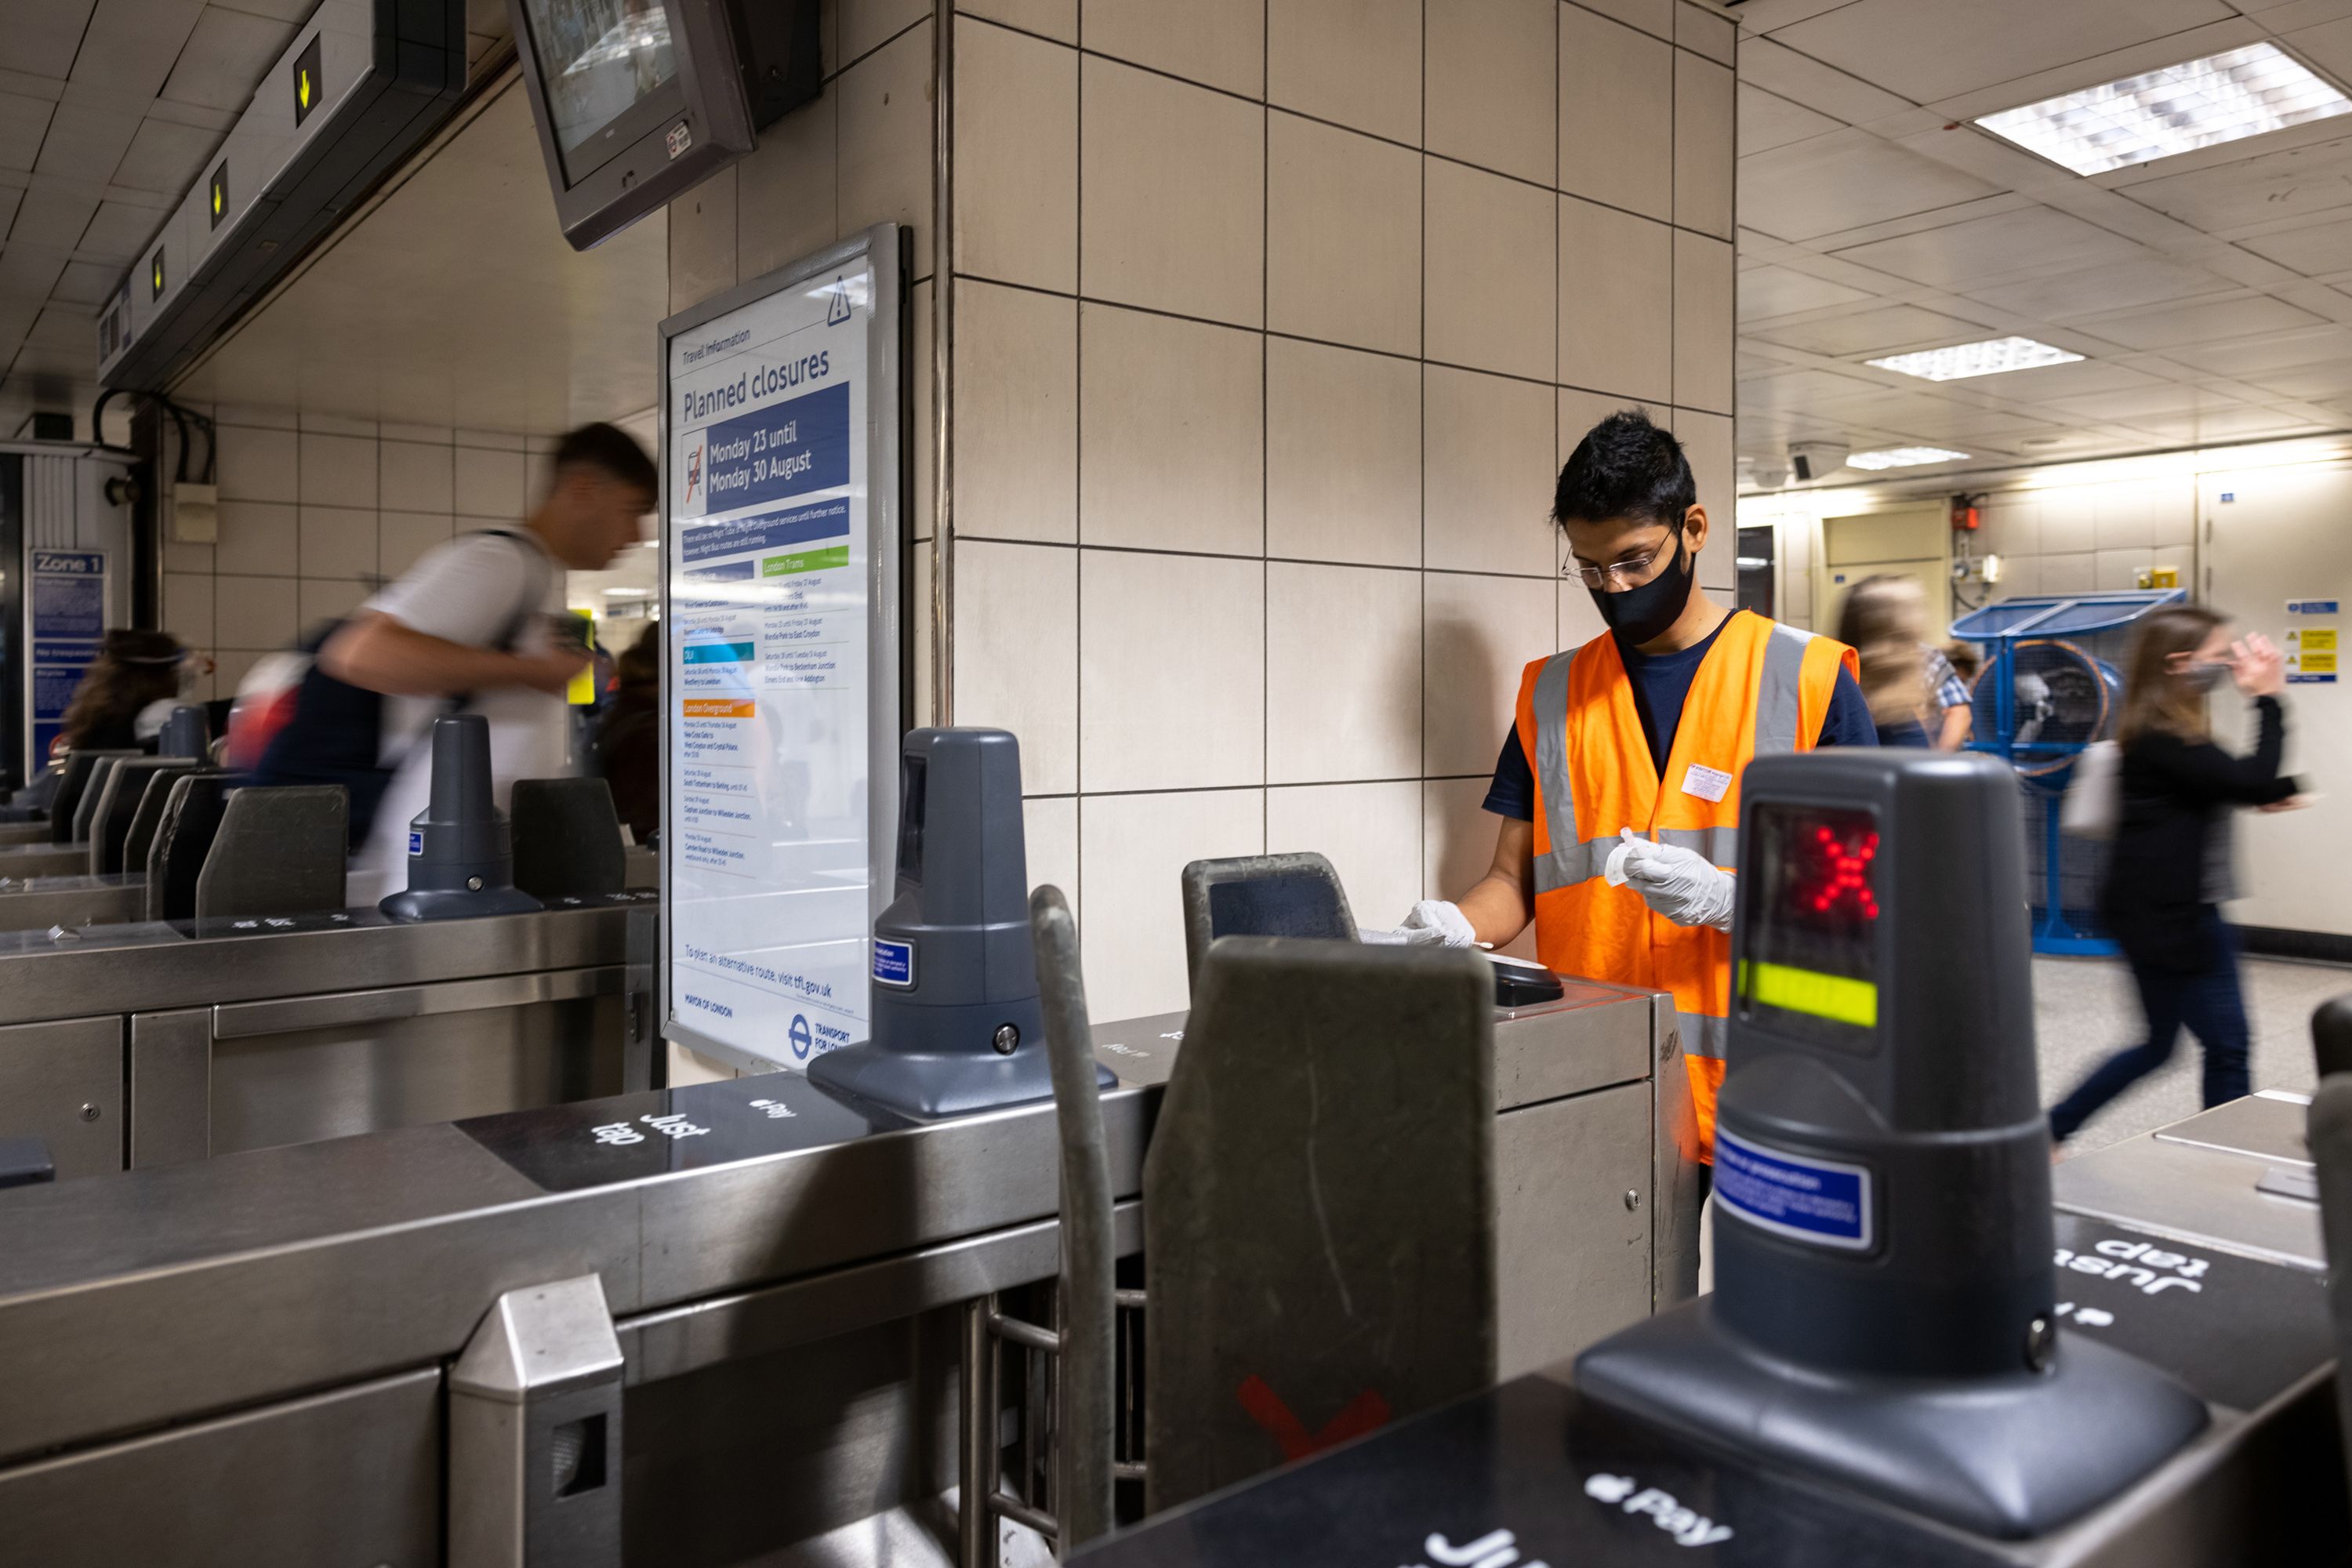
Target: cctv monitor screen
<point x="609" y="70"/>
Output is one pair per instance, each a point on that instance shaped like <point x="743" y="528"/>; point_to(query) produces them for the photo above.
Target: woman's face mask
<point x="2202" y="675"/>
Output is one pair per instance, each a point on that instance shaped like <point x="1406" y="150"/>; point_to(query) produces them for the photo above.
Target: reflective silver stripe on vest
<point x="1719" y="844"/>
<point x="1776" y="692"/>
<point x="1569" y="860"/>
<point x="1703" y="1035"/>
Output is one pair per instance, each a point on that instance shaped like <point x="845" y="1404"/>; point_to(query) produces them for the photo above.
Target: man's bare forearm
<point x="1497" y="910"/>
<point x="1498" y="907"/>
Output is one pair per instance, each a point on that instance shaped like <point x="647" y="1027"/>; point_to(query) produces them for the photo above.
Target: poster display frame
<point x="886" y="412"/>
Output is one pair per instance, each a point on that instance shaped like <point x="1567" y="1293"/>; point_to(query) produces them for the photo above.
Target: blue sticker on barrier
<point x="1801" y="1196"/>
<point x="416" y="844"/>
<point x="894" y="962"/>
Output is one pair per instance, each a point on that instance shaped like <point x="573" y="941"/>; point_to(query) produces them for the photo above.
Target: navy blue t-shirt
<point x="1662" y="682"/>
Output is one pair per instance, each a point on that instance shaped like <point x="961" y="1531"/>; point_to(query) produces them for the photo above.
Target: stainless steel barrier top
<point x="151" y="965"/>
<point x="127" y="1301"/>
<point x="167" y="1293"/>
<point x="2236" y="1178"/>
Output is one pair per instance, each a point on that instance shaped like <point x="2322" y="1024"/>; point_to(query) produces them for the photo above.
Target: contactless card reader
<point x="1883" y="1305"/>
<point x="957" y="1027"/>
<point x="460" y="852"/>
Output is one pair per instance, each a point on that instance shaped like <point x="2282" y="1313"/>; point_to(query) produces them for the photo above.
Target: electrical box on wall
<point x="360" y="86"/>
<point x="195" y="514"/>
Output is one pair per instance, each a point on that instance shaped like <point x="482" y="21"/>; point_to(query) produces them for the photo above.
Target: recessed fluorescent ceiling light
<point x="1901" y="457"/>
<point x="1964" y="360"/>
<point x="2177" y="109"/>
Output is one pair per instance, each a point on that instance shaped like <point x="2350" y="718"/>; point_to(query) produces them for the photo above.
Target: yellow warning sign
<point x="2317" y="663"/>
<point x="2314" y="639"/>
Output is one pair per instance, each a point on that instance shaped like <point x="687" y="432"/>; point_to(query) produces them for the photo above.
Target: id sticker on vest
<point x="1707" y="783"/>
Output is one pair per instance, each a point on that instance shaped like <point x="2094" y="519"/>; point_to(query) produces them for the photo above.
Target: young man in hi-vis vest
<point x="1618" y="783"/>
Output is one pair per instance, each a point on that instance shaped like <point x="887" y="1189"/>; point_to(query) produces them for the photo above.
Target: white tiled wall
<point x="317" y="512"/>
<point x="1275" y="321"/>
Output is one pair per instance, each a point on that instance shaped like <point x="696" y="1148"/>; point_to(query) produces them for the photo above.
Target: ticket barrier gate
<point x="264" y="1012"/>
<point x="2190" y="1256"/>
<point x="791" y="1283"/>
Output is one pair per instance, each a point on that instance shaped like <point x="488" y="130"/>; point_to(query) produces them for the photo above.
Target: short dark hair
<point x="1625" y="468"/>
<point x="612" y="452"/>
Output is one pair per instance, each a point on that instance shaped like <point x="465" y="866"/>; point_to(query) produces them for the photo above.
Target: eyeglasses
<point x="1621" y="574"/>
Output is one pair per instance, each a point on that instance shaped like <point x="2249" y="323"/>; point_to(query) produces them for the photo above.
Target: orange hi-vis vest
<point x="1763" y="688"/>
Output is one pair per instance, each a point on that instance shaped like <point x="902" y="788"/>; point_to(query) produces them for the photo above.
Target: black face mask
<point x="1637" y="615"/>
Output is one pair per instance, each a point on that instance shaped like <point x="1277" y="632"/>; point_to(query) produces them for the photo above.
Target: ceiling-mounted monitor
<point x="637" y="100"/>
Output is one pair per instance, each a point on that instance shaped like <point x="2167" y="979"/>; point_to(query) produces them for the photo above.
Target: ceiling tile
<point x="117" y="232"/>
<point x="30" y="272"/>
<point x="9" y="196"/>
<point x="195" y="114"/>
<point x="1767" y="120"/>
<point x="23" y="122"/>
<point x="2168" y="326"/>
<point x="87" y="282"/>
<point x="2144" y="401"/>
<point x="129" y="45"/>
<point x="2312" y="251"/>
<point x="85" y="143"/>
<point x="2258" y="190"/>
<point x="1844" y="181"/>
<point x="2143" y="281"/>
<point x="65" y="327"/>
<point x="1768" y="291"/>
<point x="42" y="37"/>
<point x="226" y="57"/>
<point x="1930" y="50"/>
<point x="165" y="158"/>
<point x="52" y="216"/>
<point x="1801" y="389"/>
<point x="2311" y="384"/>
<point x="1959" y="255"/>
<point x="1802" y="80"/>
<point x="2327" y="45"/>
<point x="2285" y="352"/>
<point x="1884" y="331"/>
<point x="2226" y="424"/>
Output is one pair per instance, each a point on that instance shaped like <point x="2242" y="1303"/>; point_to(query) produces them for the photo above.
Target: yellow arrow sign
<point x="302" y="88"/>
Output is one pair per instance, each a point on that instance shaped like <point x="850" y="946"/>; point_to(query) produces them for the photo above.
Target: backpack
<point x="308" y="728"/>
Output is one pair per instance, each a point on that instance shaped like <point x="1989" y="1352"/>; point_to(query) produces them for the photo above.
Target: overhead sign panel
<point x="360" y="86"/>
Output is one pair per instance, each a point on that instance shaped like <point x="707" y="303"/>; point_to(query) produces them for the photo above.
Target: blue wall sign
<point x="68" y="619"/>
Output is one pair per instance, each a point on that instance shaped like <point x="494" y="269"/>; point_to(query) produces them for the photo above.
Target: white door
<point x="1912" y="541"/>
<point x="2276" y="536"/>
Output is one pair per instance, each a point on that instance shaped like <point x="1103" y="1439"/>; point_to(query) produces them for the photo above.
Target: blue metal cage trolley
<point x="2049" y="688"/>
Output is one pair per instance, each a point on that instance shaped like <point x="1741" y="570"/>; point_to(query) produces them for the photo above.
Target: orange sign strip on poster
<point x="718" y="708"/>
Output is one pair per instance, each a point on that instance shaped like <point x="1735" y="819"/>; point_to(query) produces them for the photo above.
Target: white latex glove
<point x="1680" y="884"/>
<point x="1436" y="923"/>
